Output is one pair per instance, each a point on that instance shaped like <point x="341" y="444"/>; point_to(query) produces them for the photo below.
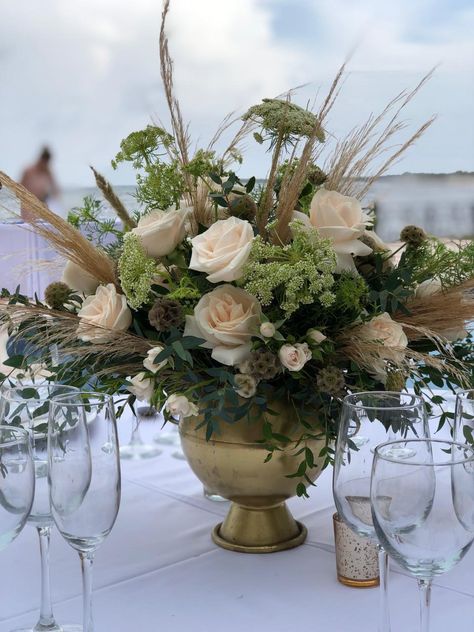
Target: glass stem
<point x="425" y="602"/>
<point x="384" y="612"/>
<point x="87" y="559"/>
<point x="46" y="617"/>
<point x="136" y="439"/>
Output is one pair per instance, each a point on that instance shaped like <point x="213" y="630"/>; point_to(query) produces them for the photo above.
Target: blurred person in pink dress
<point x="39" y="179"/>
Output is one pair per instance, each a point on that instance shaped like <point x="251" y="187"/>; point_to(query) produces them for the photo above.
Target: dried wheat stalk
<point x="439" y="313"/>
<point x="113" y="199"/>
<point x="65" y="239"/>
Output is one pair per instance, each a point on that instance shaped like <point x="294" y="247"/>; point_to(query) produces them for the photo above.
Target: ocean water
<point x="442" y="204"/>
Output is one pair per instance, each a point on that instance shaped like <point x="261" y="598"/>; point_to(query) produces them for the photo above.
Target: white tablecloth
<point x="26" y="260"/>
<point x="159" y="570"/>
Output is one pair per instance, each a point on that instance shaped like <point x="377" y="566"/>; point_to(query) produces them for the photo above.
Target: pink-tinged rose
<point x="267" y="330"/>
<point x="149" y="361"/>
<point x="141" y="386"/>
<point x="294" y="357"/>
<point x="78" y="279"/>
<point x="161" y="231"/>
<point x="222" y="250"/>
<point x="226" y="319"/>
<point x="179" y="406"/>
<point x="383" y="329"/>
<point x="102" y="314"/>
<point x="341" y="219"/>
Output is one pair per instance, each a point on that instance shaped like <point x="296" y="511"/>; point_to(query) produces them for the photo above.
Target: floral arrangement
<point x="223" y="295"/>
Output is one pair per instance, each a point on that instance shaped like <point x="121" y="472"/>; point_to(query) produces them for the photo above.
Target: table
<point x="26" y="259"/>
<point x="159" y="570"/>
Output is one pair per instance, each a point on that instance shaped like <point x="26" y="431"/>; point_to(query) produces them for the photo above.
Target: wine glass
<point x="26" y="404"/>
<point x="464" y="417"/>
<point x="84" y="477"/>
<point x="17" y="482"/>
<point x="368" y="419"/>
<point x="136" y="449"/>
<point x="423" y="508"/>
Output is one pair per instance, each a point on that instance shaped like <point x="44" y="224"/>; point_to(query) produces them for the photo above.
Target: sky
<point x="81" y="75"/>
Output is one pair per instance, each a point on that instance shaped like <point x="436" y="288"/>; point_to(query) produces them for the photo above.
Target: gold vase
<point x="232" y="465"/>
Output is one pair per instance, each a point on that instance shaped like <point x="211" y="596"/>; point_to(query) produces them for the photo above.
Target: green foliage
<point x="89" y="218"/>
<point x="161" y="186"/>
<point x="434" y="259"/>
<point x="299" y="273"/>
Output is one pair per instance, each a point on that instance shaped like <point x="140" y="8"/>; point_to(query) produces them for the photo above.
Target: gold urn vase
<point x="232" y="465"/>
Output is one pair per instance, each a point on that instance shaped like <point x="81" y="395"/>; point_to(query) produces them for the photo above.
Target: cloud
<point x="81" y="75"/>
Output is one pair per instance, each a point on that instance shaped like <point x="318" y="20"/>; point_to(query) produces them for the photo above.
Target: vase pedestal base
<point x="259" y="529"/>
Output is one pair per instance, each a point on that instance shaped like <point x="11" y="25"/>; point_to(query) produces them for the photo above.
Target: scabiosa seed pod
<point x="331" y="380"/>
<point x="316" y="176"/>
<point x="165" y="314"/>
<point x="261" y="364"/>
<point x="413" y="235"/>
<point x="57" y="294"/>
<point x="242" y="206"/>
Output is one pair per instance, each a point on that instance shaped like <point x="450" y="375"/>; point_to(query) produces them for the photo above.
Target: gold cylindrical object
<point x="232" y="464"/>
<point x="356" y="557"/>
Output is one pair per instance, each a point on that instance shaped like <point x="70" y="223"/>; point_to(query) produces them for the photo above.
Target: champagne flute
<point x="464" y="417"/>
<point x="84" y="477"/>
<point x="368" y="419"/>
<point x="423" y="508"/>
<point x="27" y="404"/>
<point x="17" y="482"/>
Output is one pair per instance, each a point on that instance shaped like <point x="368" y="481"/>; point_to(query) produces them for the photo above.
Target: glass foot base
<point x="216" y="498"/>
<point x="167" y="438"/>
<point x="179" y="454"/>
<point x="136" y="452"/>
<point x="55" y="628"/>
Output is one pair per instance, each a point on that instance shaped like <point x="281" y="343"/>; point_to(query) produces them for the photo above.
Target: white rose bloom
<point x="161" y="231"/>
<point x="385" y="330"/>
<point x="223" y="249"/>
<point x="267" y="329"/>
<point x="141" y="386"/>
<point x="149" y="361"/>
<point x="294" y="357"/>
<point x="180" y="406"/>
<point x="315" y="336"/>
<point x="246" y="385"/>
<point x="226" y="319"/>
<point x="341" y="219"/>
<point x="428" y="288"/>
<point x="78" y="279"/>
<point x="104" y="312"/>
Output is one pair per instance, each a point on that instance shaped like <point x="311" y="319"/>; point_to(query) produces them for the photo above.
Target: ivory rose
<point x="226" y="318"/>
<point x="104" y="312"/>
<point x="161" y="231"/>
<point x="141" y="386"/>
<point x="149" y="361"/>
<point x="341" y="219"/>
<point x="223" y="249"/>
<point x="315" y="336"/>
<point x="428" y="288"/>
<point x="385" y="330"/>
<point x="180" y="406"/>
<point x="294" y="357"/>
<point x="78" y="279"/>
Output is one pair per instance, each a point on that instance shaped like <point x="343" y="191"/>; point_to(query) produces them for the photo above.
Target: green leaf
<point x="250" y="184"/>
